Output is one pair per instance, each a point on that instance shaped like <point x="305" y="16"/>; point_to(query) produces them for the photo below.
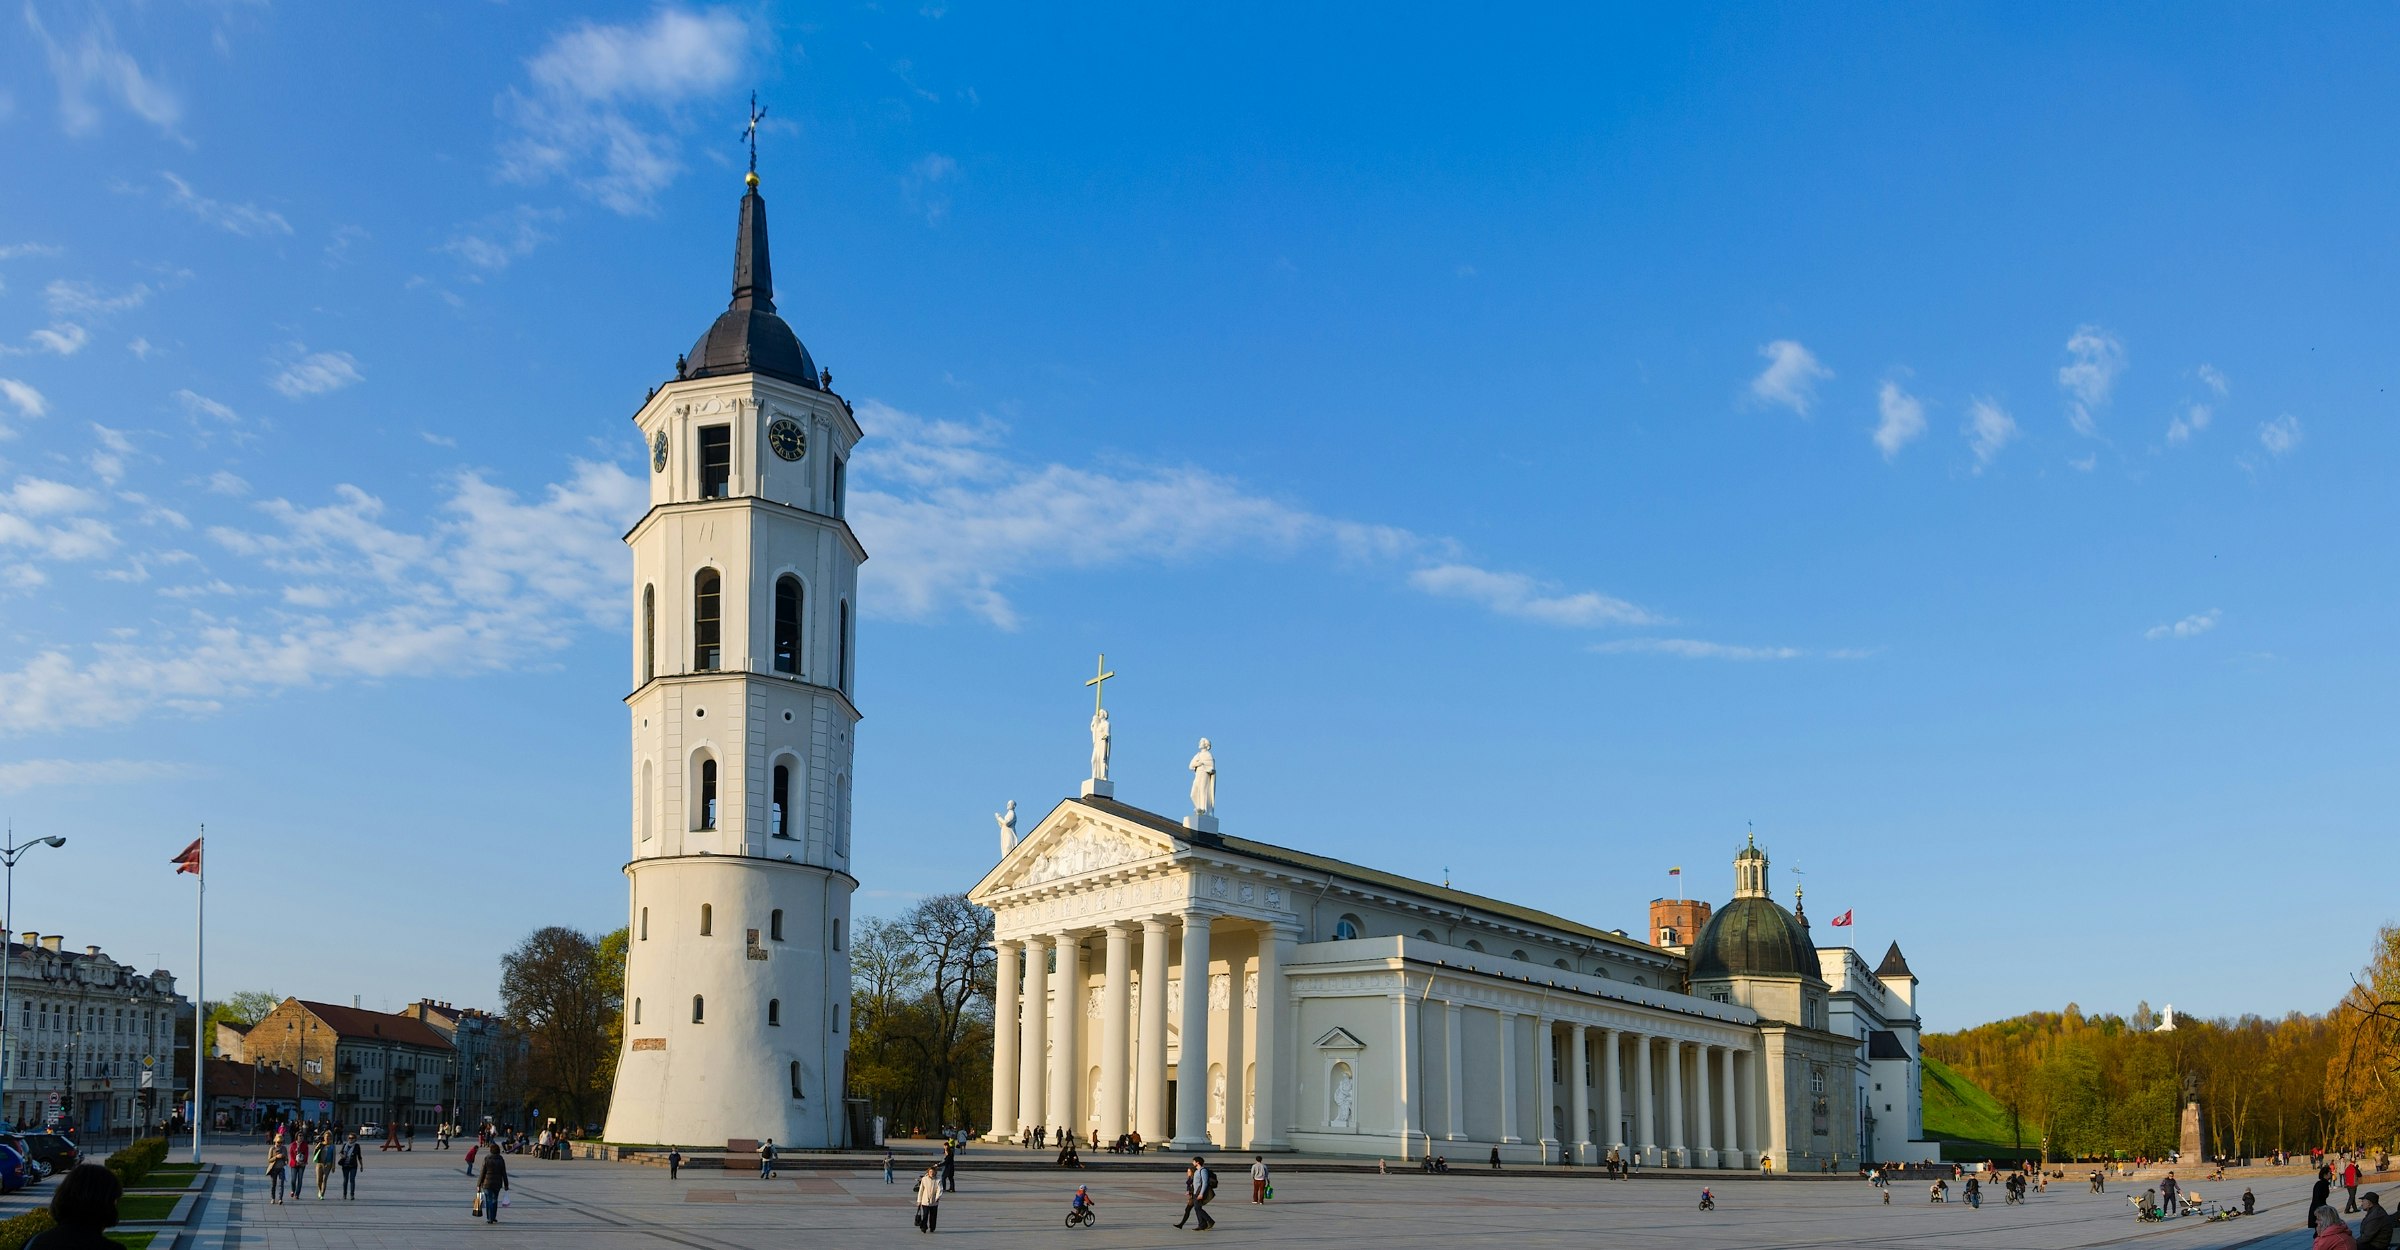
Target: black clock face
<point x="658" y="453"/>
<point x="786" y="438"/>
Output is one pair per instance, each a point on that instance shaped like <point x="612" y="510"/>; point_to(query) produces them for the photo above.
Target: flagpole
<point x="199" y="994"/>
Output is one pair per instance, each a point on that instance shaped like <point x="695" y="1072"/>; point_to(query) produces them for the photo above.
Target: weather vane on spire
<point x="750" y="132"/>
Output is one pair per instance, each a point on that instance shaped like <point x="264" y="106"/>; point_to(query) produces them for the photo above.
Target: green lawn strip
<point x="136" y="1240"/>
<point x="1959" y="1110"/>
<point x="147" y="1206"/>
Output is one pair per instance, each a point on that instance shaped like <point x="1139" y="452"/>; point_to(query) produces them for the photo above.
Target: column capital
<point x="1154" y="924"/>
<point x="1007" y="943"/>
<point x="1115" y="927"/>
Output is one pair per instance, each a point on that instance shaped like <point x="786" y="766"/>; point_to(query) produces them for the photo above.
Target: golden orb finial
<point x="751" y="179"/>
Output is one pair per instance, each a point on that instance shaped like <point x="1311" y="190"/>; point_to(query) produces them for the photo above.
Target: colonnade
<point x="1039" y="1076"/>
<point x="1692" y="1104"/>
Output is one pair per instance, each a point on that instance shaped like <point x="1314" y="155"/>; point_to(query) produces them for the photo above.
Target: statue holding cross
<point x="1100" y="732"/>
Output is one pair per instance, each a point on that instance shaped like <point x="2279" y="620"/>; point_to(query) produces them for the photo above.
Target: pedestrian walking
<point x="479" y="1144"/>
<point x="2350" y="1186"/>
<point x="929" y="1202"/>
<point x="275" y="1167"/>
<point x="324" y="1158"/>
<point x="949" y="1167"/>
<point x="675" y="1164"/>
<point x="2317" y="1195"/>
<point x="1495" y="1158"/>
<point x="491" y="1181"/>
<point x="766" y="1160"/>
<point x="887" y="1165"/>
<point x="2166" y="1194"/>
<point x="351" y="1158"/>
<point x="1258" y="1180"/>
<point x="1199" y="1186"/>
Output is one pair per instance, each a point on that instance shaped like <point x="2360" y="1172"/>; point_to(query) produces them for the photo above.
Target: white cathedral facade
<point x="745" y="582"/>
<point x="1160" y="977"/>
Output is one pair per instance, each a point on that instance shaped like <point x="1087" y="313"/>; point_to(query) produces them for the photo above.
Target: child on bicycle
<point x="1708" y="1200"/>
<point x="1082" y="1201"/>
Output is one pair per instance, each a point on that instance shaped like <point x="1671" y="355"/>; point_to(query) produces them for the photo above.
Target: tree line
<point x="2106" y="1085"/>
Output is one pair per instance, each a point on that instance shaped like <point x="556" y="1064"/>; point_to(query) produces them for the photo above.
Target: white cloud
<point x="17" y="776"/>
<point x="1989" y="428"/>
<point x="926" y="185"/>
<point x="2214" y="379"/>
<point x="222" y="482"/>
<point x="2084" y="463"/>
<point x="2090" y="376"/>
<point x="501" y="239"/>
<point x="2193" y="419"/>
<point x="2191" y="626"/>
<point x="94" y="66"/>
<point x="140" y="347"/>
<point x="1791" y="376"/>
<point x="64" y="339"/>
<point x="248" y="220"/>
<point x="27" y="401"/>
<point x="600" y="108"/>
<point x="11" y="251"/>
<point x="1902" y="418"/>
<point x="86" y="299"/>
<point x="1695" y="649"/>
<point x="108" y="463"/>
<point x="308" y="373"/>
<point x="41" y="497"/>
<point x="2280" y="435"/>
<point x="200" y="405"/>
<point x="1515" y="594"/>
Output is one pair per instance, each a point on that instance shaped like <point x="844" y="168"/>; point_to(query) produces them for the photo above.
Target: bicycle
<point x="1082" y="1217"/>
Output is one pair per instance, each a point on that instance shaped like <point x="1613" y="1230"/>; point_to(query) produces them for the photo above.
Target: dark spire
<point x="753" y="277"/>
<point x="1894" y="964"/>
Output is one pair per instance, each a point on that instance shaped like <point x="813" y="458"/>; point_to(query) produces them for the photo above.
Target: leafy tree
<point x="244" y="1008"/>
<point x="920" y="991"/>
<point x="565" y="991"/>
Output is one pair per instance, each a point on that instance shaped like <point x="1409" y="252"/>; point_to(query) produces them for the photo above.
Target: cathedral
<point x="1161" y="977"/>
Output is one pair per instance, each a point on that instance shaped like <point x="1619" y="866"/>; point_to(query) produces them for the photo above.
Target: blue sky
<point x="1533" y="449"/>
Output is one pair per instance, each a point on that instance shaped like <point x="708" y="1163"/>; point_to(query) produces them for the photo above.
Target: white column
<point x="1191" y="1056"/>
<point x="1274" y="948"/>
<point x="1009" y="970"/>
<point x="1645" y="1124"/>
<point x="1455" y="1079"/>
<point x="1509" y="1098"/>
<point x="1066" y="1021"/>
<point x="1404" y="1081"/>
<point x="1579" y="1111"/>
<point x="1612" y="1094"/>
<point x="1674" y="1108"/>
<point x="1116" y="1010"/>
<point x="1545" y="1090"/>
<point x="1152" y="1100"/>
<point x="1745" y="1087"/>
<point x="1730" y="1154"/>
<point x="1704" y="1071"/>
<point x="1034" y="1065"/>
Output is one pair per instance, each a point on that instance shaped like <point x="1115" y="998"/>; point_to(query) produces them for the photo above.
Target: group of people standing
<point x="294" y="1149"/>
<point x="2376" y="1229"/>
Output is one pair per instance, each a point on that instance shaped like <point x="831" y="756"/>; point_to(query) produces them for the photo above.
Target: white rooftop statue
<point x="1204" y="781"/>
<point x="1100" y="744"/>
<point x="1008" y="828"/>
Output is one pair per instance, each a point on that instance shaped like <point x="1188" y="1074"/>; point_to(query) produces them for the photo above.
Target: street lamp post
<point x="8" y="929"/>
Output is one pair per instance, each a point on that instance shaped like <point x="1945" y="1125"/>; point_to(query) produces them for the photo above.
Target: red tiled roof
<point x="358" y="1022"/>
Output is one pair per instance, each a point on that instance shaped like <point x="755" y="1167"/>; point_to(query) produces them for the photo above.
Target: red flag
<point x="1841" y="920"/>
<point x="189" y="861"/>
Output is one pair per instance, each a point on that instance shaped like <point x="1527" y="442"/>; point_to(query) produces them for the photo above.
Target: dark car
<point x="55" y="1153"/>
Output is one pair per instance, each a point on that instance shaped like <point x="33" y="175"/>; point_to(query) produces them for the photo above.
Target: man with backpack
<point x="766" y="1160"/>
<point x="1199" y="1185"/>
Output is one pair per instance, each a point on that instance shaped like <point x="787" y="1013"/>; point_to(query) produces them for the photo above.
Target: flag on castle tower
<point x="1841" y="920"/>
<point x="1676" y="871"/>
<point x="189" y="861"/>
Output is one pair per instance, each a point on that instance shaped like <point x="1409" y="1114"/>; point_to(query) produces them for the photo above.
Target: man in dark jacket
<point x="2316" y="1195"/>
<point x="492" y="1180"/>
<point x="2375" y="1226"/>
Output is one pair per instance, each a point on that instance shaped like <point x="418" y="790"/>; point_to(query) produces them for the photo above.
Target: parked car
<point x="15" y="1172"/>
<point x="370" y="1130"/>
<point x="51" y="1152"/>
<point x="33" y="1167"/>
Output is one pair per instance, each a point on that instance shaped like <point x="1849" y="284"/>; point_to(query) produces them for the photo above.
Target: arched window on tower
<point x="706" y="623"/>
<point x="789" y="599"/>
<point x="779" y="803"/>
<point x="708" y="920"/>
<point x="637" y="1011"/>
<point x="775" y="925"/>
<point x="1345" y="928"/>
<point x="774" y="1013"/>
<point x="649" y="632"/>
<point x="841" y="662"/>
<point x="644" y="928"/>
<point x="708" y="793"/>
<point x="796" y="1078"/>
<point x="699" y="1009"/>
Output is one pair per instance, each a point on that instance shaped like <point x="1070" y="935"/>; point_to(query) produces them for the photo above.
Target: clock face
<point x="786" y="437"/>
<point x="658" y="453"/>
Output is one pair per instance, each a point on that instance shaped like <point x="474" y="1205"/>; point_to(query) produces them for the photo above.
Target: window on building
<point x="649" y="632"/>
<point x="841" y="663"/>
<point x="837" y="1017"/>
<point x="699" y="1009"/>
<point x="716" y="461"/>
<point x="788" y="601"/>
<point x="637" y="1011"/>
<point x="779" y="802"/>
<point x="775" y="1013"/>
<point x="645" y="924"/>
<point x="708" y="794"/>
<point x="1427" y="935"/>
<point x="1561" y="963"/>
<point x="1346" y="928"/>
<point x="706" y="622"/>
<point x="837" y="933"/>
<point x="1517" y="955"/>
<point x="796" y="1078"/>
<point x="841" y="817"/>
<point x="775" y="925"/>
<point x="1474" y="946"/>
<point x="841" y="483"/>
<point x="708" y="920"/>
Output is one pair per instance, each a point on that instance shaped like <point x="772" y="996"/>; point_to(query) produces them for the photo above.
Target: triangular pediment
<point x="1072" y="841"/>
<point x="1340" y="1039"/>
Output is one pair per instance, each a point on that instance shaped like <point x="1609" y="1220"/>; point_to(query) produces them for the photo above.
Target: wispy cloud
<point x="501" y="239"/>
<point x="2192" y="626"/>
<point x="1517" y="595"/>
<point x="304" y="373"/>
<point x="2193" y="419"/>
<point x="2214" y="379"/>
<point x="64" y="339"/>
<point x="87" y="299"/>
<point x="2090" y="376"/>
<point x="600" y="104"/>
<point x="1699" y="649"/>
<point x="11" y="251"/>
<point x="1901" y="418"/>
<point x="248" y="220"/>
<point x="92" y="72"/>
<point x="1989" y="428"/>
<point x="21" y="396"/>
<point x="1790" y="378"/>
<point x="18" y="776"/>
<point x="2280" y="435"/>
<point x="927" y="185"/>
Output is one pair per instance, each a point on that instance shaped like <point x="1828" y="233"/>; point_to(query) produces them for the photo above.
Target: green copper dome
<point x="1753" y="937"/>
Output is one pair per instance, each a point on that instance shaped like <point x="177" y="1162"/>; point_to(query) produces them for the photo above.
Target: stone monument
<point x="2193" y="1145"/>
<point x="1098" y="784"/>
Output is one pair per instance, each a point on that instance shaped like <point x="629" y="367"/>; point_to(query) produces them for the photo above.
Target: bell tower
<point x="744" y="618"/>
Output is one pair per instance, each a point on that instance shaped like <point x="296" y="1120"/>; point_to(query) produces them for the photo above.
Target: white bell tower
<point x="745" y="584"/>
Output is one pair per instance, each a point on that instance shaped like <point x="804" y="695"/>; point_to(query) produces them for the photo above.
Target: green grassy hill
<point x="1958" y="1110"/>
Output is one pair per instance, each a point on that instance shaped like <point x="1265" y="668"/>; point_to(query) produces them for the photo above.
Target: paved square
<point x="421" y="1199"/>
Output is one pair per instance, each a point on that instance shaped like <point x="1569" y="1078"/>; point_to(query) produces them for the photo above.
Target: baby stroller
<point x="2145" y="1210"/>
